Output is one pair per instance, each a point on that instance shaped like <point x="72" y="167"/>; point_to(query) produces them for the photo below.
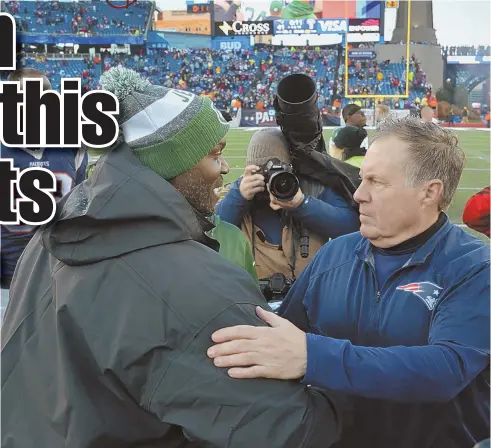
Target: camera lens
<point x="283" y="186"/>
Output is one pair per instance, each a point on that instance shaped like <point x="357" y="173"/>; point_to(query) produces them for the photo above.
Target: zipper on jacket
<point x="372" y="268"/>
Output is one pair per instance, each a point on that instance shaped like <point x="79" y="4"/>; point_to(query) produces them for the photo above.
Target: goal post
<point x="408" y="55"/>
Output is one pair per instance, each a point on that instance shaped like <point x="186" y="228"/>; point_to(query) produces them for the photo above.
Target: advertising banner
<point x="363" y="30"/>
<point x="310" y="26"/>
<point x="252" y="118"/>
<point x="239" y="28"/>
<point x="357" y="55"/>
<point x="257" y="10"/>
<point x="231" y="43"/>
<point x="258" y="118"/>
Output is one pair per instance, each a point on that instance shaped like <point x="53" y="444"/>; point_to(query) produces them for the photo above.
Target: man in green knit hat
<point x="113" y="303"/>
<point x="190" y="159"/>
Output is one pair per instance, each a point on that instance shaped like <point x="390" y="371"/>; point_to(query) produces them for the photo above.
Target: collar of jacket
<point x="364" y="248"/>
<point x="208" y="224"/>
<point x="124" y="206"/>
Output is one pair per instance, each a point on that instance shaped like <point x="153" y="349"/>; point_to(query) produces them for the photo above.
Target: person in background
<point x="476" y="212"/>
<point x="396" y="316"/>
<point x="382" y="111"/>
<point x="353" y="115"/>
<point x="427" y="115"/>
<point x="465" y="115"/>
<point x="114" y="303"/>
<point x="272" y="226"/>
<point x="347" y="145"/>
<point x="69" y="167"/>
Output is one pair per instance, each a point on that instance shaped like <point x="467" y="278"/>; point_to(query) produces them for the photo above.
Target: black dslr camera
<point x="281" y="181"/>
<point x="275" y="288"/>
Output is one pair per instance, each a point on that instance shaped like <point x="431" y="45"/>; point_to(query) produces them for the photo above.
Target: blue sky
<point x="457" y="22"/>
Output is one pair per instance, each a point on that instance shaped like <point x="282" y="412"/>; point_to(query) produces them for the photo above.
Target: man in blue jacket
<point x="271" y="226"/>
<point x="395" y="318"/>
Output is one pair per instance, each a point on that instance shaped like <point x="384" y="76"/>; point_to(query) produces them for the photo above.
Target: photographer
<point x="277" y="224"/>
<point x="347" y="145"/>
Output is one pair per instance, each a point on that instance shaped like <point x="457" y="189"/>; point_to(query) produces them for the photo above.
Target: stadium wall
<point x="430" y="57"/>
<point x="184" y="40"/>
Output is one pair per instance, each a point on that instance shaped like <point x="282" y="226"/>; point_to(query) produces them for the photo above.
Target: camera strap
<point x="290" y="222"/>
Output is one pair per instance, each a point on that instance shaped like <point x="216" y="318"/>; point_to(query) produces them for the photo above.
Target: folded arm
<point x="458" y="351"/>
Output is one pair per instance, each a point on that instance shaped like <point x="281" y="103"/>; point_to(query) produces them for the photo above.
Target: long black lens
<point x="296" y="93"/>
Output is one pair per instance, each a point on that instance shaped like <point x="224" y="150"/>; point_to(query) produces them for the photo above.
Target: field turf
<point x="475" y="143"/>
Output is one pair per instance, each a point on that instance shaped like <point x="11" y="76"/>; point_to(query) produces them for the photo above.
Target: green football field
<point x="476" y="144"/>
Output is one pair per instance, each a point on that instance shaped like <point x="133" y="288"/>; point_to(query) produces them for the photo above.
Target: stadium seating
<point x="93" y="18"/>
<point x="249" y="76"/>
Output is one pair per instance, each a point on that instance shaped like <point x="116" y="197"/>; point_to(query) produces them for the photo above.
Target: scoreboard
<point x="199" y="8"/>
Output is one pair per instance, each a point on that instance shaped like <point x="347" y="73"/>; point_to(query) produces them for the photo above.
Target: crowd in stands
<point x="481" y="50"/>
<point x="224" y="76"/>
<point x="249" y="78"/>
<point x="87" y="68"/>
<point x="371" y="77"/>
<point x="87" y="18"/>
<point x="317" y="63"/>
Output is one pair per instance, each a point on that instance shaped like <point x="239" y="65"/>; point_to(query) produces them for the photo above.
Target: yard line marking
<point x="470" y="188"/>
<point x="476" y="169"/>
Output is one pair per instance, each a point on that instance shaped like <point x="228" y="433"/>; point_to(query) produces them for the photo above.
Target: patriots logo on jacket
<point x="426" y="291"/>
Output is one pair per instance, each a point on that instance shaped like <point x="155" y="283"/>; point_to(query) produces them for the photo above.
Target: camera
<point x="281" y="181"/>
<point x="276" y="287"/>
<point x="300" y="120"/>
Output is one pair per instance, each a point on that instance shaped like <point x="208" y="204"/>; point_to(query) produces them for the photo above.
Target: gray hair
<point x="434" y="153"/>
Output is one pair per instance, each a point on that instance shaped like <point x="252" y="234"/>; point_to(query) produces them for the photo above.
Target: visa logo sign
<point x="332" y="25"/>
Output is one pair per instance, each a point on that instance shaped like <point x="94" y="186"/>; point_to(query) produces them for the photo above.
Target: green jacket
<point x="355" y="161"/>
<point x="233" y="245"/>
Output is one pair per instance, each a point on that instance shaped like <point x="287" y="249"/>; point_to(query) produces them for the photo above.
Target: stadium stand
<point x="69" y="66"/>
<point x="246" y="78"/>
<point x="237" y="78"/>
<point x="92" y="18"/>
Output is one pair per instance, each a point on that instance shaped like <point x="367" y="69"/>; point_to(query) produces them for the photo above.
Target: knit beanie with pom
<point x="169" y="130"/>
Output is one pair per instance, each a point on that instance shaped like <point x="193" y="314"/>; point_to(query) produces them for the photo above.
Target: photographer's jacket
<point x="413" y="350"/>
<point x="105" y="338"/>
<point x="326" y="217"/>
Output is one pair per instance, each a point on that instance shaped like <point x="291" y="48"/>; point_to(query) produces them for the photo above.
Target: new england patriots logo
<point x="426" y="291"/>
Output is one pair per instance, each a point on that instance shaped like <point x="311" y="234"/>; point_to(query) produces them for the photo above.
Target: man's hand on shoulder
<point x="278" y="351"/>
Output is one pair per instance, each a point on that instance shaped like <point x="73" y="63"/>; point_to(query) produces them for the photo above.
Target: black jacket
<point x="112" y="308"/>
